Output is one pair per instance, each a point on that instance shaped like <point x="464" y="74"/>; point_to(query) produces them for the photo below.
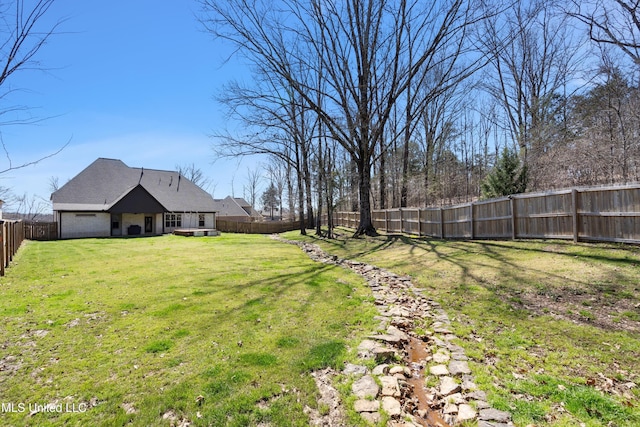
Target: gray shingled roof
<point x="235" y="207"/>
<point x="106" y="181"/>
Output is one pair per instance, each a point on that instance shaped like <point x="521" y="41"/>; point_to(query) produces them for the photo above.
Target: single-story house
<point x="236" y="209"/>
<point x="109" y="198"/>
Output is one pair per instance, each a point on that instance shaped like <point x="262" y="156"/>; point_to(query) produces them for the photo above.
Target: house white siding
<point x="84" y="224"/>
<point x="191" y="220"/>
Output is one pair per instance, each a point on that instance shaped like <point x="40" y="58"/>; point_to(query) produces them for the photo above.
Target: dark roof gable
<point x="106" y="183"/>
<point x="138" y="200"/>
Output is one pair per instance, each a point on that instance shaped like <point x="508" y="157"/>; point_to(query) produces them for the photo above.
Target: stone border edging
<point x="456" y="398"/>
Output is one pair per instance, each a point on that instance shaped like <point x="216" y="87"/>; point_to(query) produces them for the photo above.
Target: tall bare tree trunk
<point x="383" y="175"/>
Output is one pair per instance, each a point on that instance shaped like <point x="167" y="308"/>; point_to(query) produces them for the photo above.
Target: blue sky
<point x="133" y="80"/>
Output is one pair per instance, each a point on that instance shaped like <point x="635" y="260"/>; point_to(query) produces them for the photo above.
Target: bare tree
<point x="363" y="47"/>
<point x="280" y="126"/>
<point x="251" y="189"/>
<point x="278" y="175"/>
<point x="54" y="183"/>
<point x="611" y="22"/>
<point x="605" y="148"/>
<point x="533" y="56"/>
<point x="195" y="175"/>
<point x="31" y="207"/>
<point x="23" y="33"/>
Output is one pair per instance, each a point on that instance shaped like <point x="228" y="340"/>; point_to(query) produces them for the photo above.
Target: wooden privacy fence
<point x="255" y="227"/>
<point x="608" y="214"/>
<point x="40" y="230"/>
<point x="11" y="237"/>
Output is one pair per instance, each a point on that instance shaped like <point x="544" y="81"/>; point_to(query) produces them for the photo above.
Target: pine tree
<point x="507" y="177"/>
<point x="270" y="199"/>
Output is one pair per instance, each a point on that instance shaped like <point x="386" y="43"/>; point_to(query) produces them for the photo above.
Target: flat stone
<point x="371" y="417"/>
<point x="468" y="385"/>
<point x="363" y="405"/>
<point x="481" y="404"/>
<point x="478" y="395"/>
<point x="397" y="370"/>
<point x="493" y="424"/>
<point x="391" y="406"/>
<point x="439" y="342"/>
<point x="459" y="367"/>
<point x="465" y="413"/>
<point x="438" y="370"/>
<point x="456" y="398"/>
<point x="383" y="353"/>
<point x="398" y="312"/>
<point x="454" y="348"/>
<point x="492" y="414"/>
<point x="351" y="369"/>
<point x="440" y="357"/>
<point x="448" y="386"/>
<point x="380" y="370"/>
<point x="393" y="331"/>
<point x="459" y="356"/>
<point x="442" y="318"/>
<point x="365" y="349"/>
<point x="390" y="386"/>
<point x="367" y="345"/>
<point x="365" y="387"/>
<point x="391" y="339"/>
<point x="450" y="408"/>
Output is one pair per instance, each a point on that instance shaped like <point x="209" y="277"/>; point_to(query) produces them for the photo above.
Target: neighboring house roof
<point x="236" y="207"/>
<point x="266" y="212"/>
<point x="108" y="184"/>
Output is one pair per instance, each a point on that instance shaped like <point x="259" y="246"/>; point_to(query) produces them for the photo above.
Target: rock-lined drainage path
<point x="399" y="389"/>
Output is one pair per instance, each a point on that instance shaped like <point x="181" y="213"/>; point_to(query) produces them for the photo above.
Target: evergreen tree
<point x="270" y="199"/>
<point x="507" y="177"/>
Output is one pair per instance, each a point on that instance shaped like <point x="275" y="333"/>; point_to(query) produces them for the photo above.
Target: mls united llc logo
<point x="34" y="408"/>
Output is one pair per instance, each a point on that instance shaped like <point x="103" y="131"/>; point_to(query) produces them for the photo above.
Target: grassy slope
<point x="150" y="324"/>
<point x="548" y="325"/>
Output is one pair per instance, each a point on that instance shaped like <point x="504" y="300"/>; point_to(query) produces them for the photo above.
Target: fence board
<point x="11" y="237"/>
<point x="610" y="214"/>
<point x="40" y="230"/>
<point x="255" y="227"/>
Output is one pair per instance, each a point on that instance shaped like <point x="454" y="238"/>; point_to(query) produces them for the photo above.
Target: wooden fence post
<point x="419" y="223"/>
<point x="12" y="243"/>
<point x="514" y="218"/>
<point x="471" y="218"/>
<point x="2" y="243"/>
<point x="441" y="224"/>
<point x="574" y="214"/>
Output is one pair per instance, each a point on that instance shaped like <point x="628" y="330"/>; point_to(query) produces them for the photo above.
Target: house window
<point x="172" y="220"/>
<point x="200" y="220"/>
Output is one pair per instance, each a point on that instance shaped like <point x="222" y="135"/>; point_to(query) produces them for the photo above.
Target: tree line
<point x="368" y="104"/>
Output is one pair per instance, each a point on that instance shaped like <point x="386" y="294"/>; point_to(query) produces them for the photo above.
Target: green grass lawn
<point x="152" y="331"/>
<point x="552" y="328"/>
